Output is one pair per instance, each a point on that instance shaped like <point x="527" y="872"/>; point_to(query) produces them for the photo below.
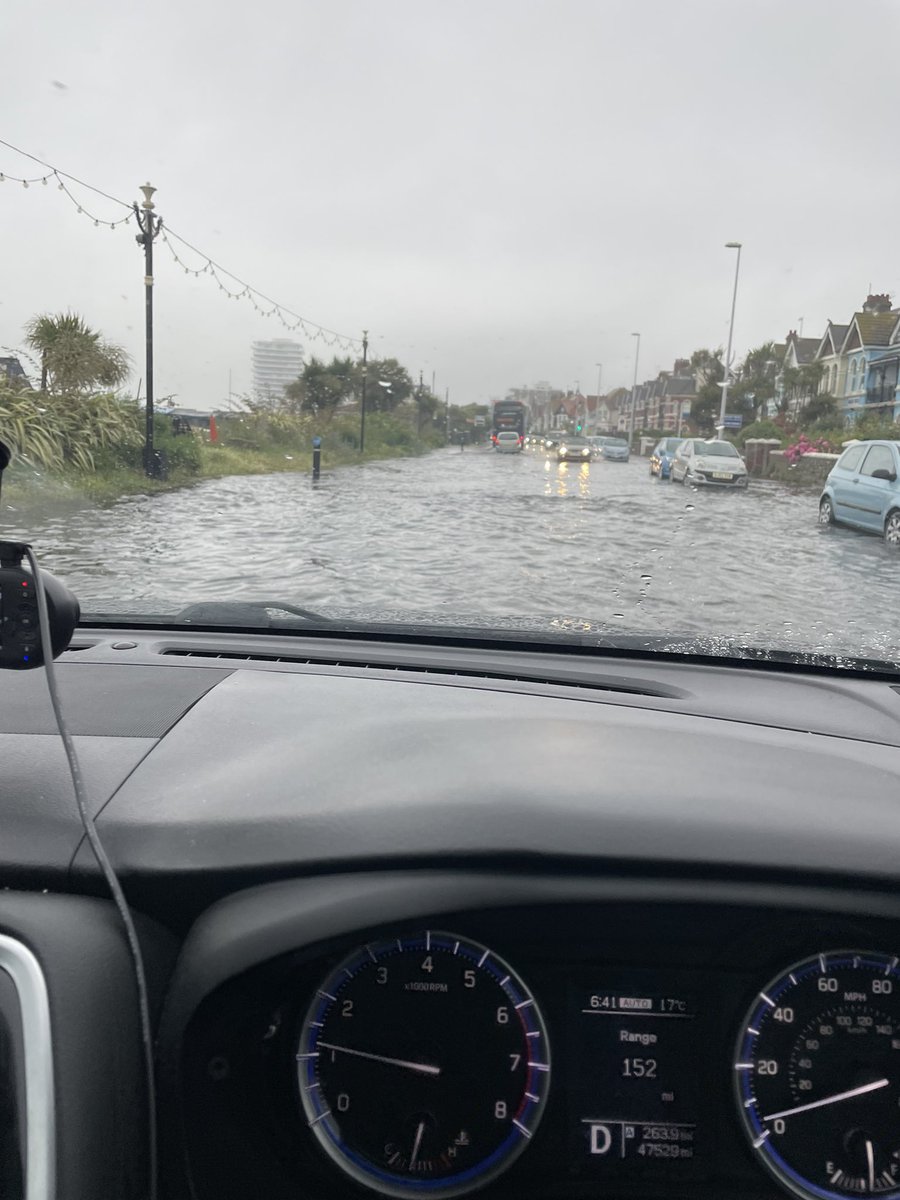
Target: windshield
<point x="282" y="281"/>
<point x="669" y="446"/>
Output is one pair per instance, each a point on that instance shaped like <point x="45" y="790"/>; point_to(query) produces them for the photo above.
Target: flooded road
<point x="481" y="533"/>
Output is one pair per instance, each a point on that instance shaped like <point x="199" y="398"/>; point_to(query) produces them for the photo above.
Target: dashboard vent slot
<point x="605" y="685"/>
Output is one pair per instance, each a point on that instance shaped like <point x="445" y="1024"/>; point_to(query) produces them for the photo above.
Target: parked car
<point x="663" y="456"/>
<point x="574" y="448"/>
<point x="507" y="441"/>
<point x="862" y="490"/>
<point x="709" y="464"/>
<point x="614" y="449"/>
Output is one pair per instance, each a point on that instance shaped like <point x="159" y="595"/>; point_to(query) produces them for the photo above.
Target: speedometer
<point x="423" y="1065"/>
<point x="817" y="1067"/>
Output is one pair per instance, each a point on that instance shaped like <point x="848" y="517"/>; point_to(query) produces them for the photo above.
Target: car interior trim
<point x="40" y="1128"/>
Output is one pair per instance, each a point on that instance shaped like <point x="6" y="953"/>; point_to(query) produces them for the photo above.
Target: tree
<point x="709" y="372"/>
<point x="74" y="357"/>
<point x="755" y="385"/>
<point x="800" y="384"/>
<point x="400" y="385"/>
<point x="822" y="408"/>
<point x="321" y="386"/>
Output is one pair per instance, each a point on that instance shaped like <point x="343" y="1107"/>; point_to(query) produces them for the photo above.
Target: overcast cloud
<point x="499" y="190"/>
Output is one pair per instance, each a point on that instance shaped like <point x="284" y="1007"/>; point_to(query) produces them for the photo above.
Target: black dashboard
<point x="669" y="878"/>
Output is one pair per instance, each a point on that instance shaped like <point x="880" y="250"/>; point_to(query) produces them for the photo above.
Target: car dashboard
<point x="423" y="918"/>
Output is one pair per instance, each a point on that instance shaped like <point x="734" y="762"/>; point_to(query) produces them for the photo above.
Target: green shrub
<point x="761" y="429"/>
<point x="57" y="431"/>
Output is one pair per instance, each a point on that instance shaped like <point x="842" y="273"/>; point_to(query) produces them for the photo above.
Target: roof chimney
<point x="877" y="304"/>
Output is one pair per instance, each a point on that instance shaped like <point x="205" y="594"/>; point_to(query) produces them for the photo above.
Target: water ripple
<point x="493" y="537"/>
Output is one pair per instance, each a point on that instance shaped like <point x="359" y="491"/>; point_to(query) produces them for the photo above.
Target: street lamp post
<point x="365" y="381"/>
<point x="727" y="380"/>
<point x="637" y="351"/>
<point x="599" y="367"/>
<point x="149" y="227"/>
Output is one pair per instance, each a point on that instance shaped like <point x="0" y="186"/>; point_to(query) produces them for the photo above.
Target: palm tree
<point x="73" y="356"/>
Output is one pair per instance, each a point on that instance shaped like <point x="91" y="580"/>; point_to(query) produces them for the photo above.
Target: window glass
<point x="852" y="458"/>
<point x="879" y="458"/>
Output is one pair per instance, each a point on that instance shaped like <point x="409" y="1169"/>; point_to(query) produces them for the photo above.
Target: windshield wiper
<point x="241" y="612"/>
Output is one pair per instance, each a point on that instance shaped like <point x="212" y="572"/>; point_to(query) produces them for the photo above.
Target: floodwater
<point x="490" y="537"/>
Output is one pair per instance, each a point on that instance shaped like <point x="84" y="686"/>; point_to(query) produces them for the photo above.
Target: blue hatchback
<point x="662" y="457"/>
<point x="862" y="490"/>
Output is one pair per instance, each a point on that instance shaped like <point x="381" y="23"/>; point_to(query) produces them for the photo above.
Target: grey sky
<point x="500" y="190"/>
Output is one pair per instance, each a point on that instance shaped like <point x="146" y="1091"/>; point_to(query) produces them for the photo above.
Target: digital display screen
<point x="635" y="1083"/>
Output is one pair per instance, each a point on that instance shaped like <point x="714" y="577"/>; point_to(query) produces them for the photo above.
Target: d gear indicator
<point x="636" y="1104"/>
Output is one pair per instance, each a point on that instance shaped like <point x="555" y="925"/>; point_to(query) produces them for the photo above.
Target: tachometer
<point x="423" y="1065"/>
<point x="818" y="1075"/>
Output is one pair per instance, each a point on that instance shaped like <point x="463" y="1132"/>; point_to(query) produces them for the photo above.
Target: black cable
<point x="106" y="866"/>
<point x="268" y="299"/>
<point x="341" y="337"/>
<point x="66" y="175"/>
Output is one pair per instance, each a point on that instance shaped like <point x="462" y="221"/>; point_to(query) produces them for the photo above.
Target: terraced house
<point x="856" y="363"/>
<point x="871" y="385"/>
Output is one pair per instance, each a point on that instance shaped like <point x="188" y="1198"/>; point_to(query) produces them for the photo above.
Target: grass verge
<point x="27" y="488"/>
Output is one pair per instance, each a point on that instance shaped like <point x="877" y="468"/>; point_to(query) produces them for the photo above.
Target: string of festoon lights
<point x="200" y="263"/>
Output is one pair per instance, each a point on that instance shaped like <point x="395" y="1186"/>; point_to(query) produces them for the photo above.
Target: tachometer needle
<point x="422" y="1068"/>
<point x="870" y="1160"/>
<point x="835" y="1099"/>
<point x="418" y="1142"/>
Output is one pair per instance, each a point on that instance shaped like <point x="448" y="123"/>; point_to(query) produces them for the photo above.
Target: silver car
<point x="709" y="464"/>
<point x="508" y="442"/>
<point x="613" y="449"/>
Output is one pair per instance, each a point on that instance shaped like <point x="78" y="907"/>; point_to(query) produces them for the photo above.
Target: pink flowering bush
<point x="805" y="445"/>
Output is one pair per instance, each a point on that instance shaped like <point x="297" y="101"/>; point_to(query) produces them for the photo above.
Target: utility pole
<point x="637" y="351"/>
<point x="419" y="406"/>
<point x="365" y="381"/>
<point x="447" y="410"/>
<point x="149" y="227"/>
<point x="727" y="378"/>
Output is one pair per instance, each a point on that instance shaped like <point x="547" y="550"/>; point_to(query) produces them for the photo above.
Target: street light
<point x="637" y="351"/>
<point x="599" y="367"/>
<point x="727" y="379"/>
<point x="149" y="227"/>
<point x="365" y="382"/>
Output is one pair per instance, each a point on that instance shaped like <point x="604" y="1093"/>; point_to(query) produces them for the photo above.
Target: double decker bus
<point x="508" y="416"/>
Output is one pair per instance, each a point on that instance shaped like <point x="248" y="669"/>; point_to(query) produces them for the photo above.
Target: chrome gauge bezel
<point x="323" y="1123"/>
<point x="751" y="1029"/>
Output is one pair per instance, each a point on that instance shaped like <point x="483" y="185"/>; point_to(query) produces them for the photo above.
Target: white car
<point x="508" y="442"/>
<point x="709" y="464"/>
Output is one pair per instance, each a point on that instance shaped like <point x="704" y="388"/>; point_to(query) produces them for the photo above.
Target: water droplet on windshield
<point x="618" y="616"/>
<point x="689" y="508"/>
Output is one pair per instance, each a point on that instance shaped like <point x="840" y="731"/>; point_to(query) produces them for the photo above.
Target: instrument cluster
<point x="549" y="1059"/>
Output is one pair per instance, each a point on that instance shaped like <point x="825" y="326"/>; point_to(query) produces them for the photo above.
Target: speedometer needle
<point x="835" y="1099"/>
<point x="422" y="1068"/>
